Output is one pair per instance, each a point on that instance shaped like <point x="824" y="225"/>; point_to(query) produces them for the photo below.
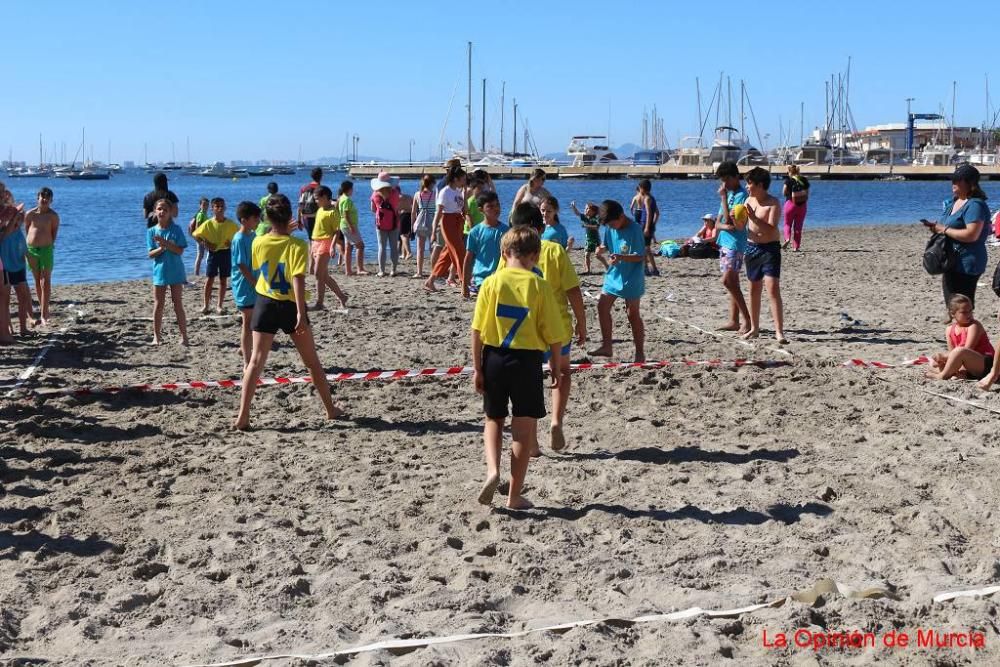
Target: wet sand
<point x="139" y="529"/>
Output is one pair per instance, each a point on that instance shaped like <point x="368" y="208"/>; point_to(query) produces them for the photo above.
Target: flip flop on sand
<point x="489" y="490"/>
<point x="557" y="441"/>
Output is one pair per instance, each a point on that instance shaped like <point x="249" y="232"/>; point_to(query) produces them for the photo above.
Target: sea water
<point x="102" y="235"/>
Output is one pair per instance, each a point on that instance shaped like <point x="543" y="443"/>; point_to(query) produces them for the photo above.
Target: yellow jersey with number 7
<point x="279" y="259"/>
<point x="517" y="309"/>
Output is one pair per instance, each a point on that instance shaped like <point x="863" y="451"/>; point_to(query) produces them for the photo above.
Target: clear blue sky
<point x="254" y="79"/>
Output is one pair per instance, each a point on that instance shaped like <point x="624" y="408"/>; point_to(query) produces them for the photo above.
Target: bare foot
<point x="602" y="351"/>
<point x="519" y="503"/>
<point x="489" y="489"/>
<point x="752" y="333"/>
<point x="205" y="310"/>
<point x="336" y="413"/>
<point x="535" y="453"/>
<point x="640" y="357"/>
<point x="362" y="272"/>
<point x="932" y="375"/>
<point x="730" y="326"/>
<point x="343" y="301"/>
<point x="780" y="337"/>
<point x="241" y="425"/>
<point x="156" y="341"/>
<point x="185" y="342"/>
<point x="557" y="440"/>
<point x="429" y="287"/>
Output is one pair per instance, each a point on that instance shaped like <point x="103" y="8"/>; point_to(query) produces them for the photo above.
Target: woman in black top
<point x="796" y="191"/>
<point x="159" y="192"/>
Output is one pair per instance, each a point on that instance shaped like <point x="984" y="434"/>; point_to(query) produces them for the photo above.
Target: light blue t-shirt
<point x="484" y="242"/>
<point x="168" y="267"/>
<point x="13" y="249"/>
<point x="556" y="233"/>
<point x="244" y="293"/>
<point x="625" y="279"/>
<point x="971" y="256"/>
<point x="736" y="240"/>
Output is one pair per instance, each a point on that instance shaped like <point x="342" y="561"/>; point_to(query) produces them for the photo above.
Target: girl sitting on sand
<point x="970" y="354"/>
<point x="281" y="304"/>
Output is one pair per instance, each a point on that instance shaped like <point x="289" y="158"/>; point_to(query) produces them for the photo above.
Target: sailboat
<point x="88" y="172"/>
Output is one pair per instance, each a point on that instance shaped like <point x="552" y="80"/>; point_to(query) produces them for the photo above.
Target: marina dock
<point x="674" y="171"/>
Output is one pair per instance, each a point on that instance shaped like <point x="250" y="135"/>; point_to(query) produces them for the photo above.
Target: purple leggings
<point x="795" y="217"/>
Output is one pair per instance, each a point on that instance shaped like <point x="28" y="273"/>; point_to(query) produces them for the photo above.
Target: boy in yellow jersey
<point x="217" y="234"/>
<point x="281" y="304"/>
<point x="324" y="235"/>
<point x="556" y="267"/>
<point x="515" y="321"/>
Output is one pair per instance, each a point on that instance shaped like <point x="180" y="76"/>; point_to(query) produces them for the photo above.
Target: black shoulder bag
<point x="940" y="255"/>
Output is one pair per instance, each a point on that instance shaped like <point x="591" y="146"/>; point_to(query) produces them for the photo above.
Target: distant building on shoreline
<point x="893" y="136"/>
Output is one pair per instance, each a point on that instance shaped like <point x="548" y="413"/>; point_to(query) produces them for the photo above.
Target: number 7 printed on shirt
<point x="516" y="313"/>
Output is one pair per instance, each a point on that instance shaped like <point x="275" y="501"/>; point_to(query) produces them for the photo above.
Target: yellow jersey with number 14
<point x="516" y="309"/>
<point x="279" y="259"/>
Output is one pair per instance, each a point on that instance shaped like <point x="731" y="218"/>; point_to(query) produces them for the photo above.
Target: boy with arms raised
<point x="244" y="277"/>
<point x="555" y="266"/>
<point x="515" y="320"/>
<point x="42" y="224"/>
<point x="763" y="256"/>
<point x="217" y="234"/>
<point x="732" y="240"/>
<point x="482" y="245"/>
<point x="625" y="246"/>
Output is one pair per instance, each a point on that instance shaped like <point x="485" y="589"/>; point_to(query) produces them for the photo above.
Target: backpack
<point x="703" y="251"/>
<point x="385" y="215"/>
<point x="307" y="202"/>
<point x="939" y="255"/>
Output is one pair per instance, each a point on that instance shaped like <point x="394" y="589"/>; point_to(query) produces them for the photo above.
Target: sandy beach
<point x="138" y="529"/>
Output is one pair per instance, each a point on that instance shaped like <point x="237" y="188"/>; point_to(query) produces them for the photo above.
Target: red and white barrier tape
<point x="394" y="375"/>
<point x="862" y="363"/>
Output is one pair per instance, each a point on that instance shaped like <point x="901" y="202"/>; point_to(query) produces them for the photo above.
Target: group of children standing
<point x="27" y="241"/>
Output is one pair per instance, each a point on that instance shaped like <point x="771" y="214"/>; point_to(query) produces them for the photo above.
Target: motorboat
<point x="28" y="172"/>
<point x="884" y="156"/>
<point x="691" y="152"/>
<point x="590" y="149"/>
<point x="936" y="155"/>
<point x="813" y="152"/>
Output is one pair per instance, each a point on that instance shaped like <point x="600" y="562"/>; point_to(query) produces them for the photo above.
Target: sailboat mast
<point x="503" y="89"/>
<point x="953" y="86"/>
<point x="40" y="160"/>
<point x="468" y="108"/>
<point x="697" y="90"/>
<point x="514" y="150"/>
<point x="482" y="141"/>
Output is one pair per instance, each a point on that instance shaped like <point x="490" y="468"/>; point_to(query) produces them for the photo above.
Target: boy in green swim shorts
<point x="41" y="225"/>
<point x="592" y="225"/>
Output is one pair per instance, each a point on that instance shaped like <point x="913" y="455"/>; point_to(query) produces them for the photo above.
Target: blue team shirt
<point x="13" y="249"/>
<point x="971" y="256"/>
<point x="625" y="279"/>
<point x="556" y="233"/>
<point x="244" y="293"/>
<point x="484" y="242"/>
<point x="733" y="240"/>
<point x="168" y="267"/>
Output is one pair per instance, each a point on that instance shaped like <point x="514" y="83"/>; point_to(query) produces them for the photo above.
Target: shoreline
<point x="576" y="252"/>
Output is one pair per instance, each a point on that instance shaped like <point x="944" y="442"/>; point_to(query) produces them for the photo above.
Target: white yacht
<point x="691" y="152"/>
<point x="587" y="149"/>
<point x="936" y="155"/>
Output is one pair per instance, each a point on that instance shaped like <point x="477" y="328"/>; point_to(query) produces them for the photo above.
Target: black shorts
<point x="650" y="236"/>
<point x="763" y="259"/>
<point x="220" y="263"/>
<point x="987" y="368"/>
<point x="513" y="376"/>
<point x="270" y="315"/>
<point x="15" y="277"/>
<point x="405" y="224"/>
